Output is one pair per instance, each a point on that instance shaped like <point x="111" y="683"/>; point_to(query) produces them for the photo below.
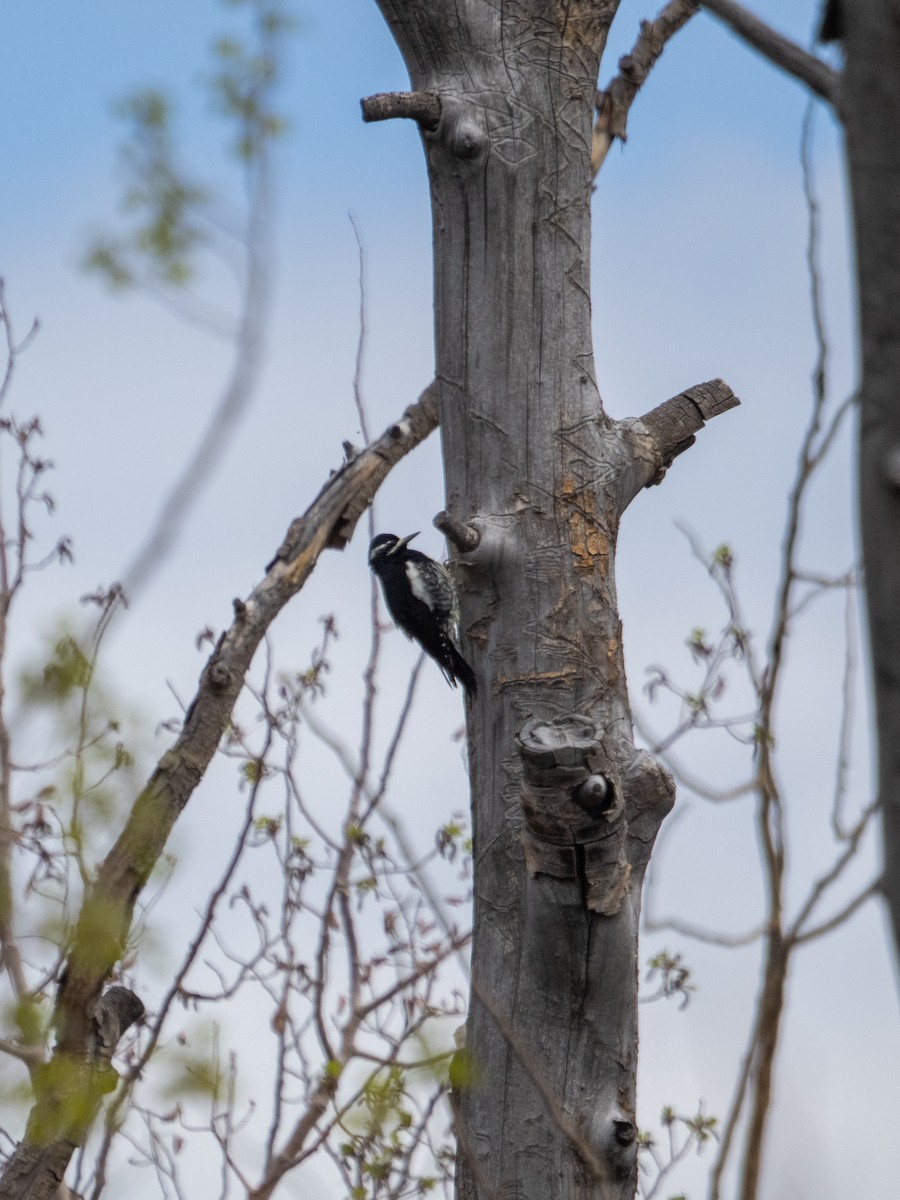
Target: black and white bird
<point x="422" y="600"/>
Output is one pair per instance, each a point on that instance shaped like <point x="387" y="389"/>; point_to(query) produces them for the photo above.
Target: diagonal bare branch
<point x="614" y="103"/>
<point x="818" y="76"/>
<point x="107" y="912"/>
<point x="842" y="915"/>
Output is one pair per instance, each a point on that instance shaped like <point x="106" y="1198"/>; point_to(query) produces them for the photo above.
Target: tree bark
<point x="565" y="809"/>
<point x="69" y="1091"/>
<point x="870" y="107"/>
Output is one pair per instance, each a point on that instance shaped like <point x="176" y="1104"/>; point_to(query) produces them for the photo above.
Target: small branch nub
<point x="465" y="538"/>
<point x="424" y="107"/>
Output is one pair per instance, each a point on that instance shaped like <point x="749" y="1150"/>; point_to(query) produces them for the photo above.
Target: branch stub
<point x="424" y="107"/>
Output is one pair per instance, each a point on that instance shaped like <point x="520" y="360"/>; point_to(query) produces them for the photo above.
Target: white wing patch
<point x="417" y="586"/>
<point x="441" y="590"/>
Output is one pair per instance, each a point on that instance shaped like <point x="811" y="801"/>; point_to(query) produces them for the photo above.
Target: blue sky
<point x="698" y="262"/>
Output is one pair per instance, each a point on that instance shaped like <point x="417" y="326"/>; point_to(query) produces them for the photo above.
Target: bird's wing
<point x="436" y="591"/>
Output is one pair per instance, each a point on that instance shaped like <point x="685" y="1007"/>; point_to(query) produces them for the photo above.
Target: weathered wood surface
<point x="543" y="475"/>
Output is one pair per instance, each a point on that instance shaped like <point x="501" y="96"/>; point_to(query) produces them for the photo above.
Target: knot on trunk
<point x="70" y="1087"/>
<point x="572" y="801"/>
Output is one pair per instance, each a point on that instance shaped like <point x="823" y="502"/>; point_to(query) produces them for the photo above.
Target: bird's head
<point x="385" y="544"/>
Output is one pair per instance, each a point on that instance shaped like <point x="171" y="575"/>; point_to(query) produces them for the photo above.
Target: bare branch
<point x="824" y="882"/>
<point x="464" y="537"/>
<point x="236" y="397"/>
<point x="730" y="1124"/>
<point x="779" y="50"/>
<point x="363" y="476"/>
<point x="842" y="764"/>
<point x="13" y="348"/>
<point x="30" y="1055"/>
<point x="106" y="914"/>
<point x="842" y="915"/>
<point x="206" y="920"/>
<point x="660" y="435"/>
<point x="614" y="104"/>
<point x="700" y="934"/>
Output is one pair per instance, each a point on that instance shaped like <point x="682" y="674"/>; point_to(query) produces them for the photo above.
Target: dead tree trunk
<point x="565" y="807"/>
<point x="870" y="109"/>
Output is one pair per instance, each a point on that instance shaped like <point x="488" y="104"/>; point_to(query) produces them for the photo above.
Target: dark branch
<point x="614" y="104"/>
<point x="424" y="107"/>
<point x="781" y="51"/>
<point x="671" y="426"/>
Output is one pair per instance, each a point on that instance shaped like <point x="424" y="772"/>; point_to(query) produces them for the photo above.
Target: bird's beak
<point x="402" y="543"/>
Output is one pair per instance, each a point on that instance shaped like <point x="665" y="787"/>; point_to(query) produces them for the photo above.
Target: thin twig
<point x="833" y="874"/>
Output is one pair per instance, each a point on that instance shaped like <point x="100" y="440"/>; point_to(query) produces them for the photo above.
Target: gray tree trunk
<point x="870" y="107"/>
<point x="565" y="809"/>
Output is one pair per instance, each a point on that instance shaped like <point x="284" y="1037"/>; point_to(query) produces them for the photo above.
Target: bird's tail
<point x="458" y="668"/>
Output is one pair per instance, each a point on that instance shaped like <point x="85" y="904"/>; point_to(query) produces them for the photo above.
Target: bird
<point x="421" y="598"/>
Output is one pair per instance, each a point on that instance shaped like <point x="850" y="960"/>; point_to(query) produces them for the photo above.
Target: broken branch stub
<point x="424" y="107"/>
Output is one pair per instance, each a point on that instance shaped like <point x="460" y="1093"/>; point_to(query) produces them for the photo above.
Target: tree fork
<point x="565" y="808"/>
